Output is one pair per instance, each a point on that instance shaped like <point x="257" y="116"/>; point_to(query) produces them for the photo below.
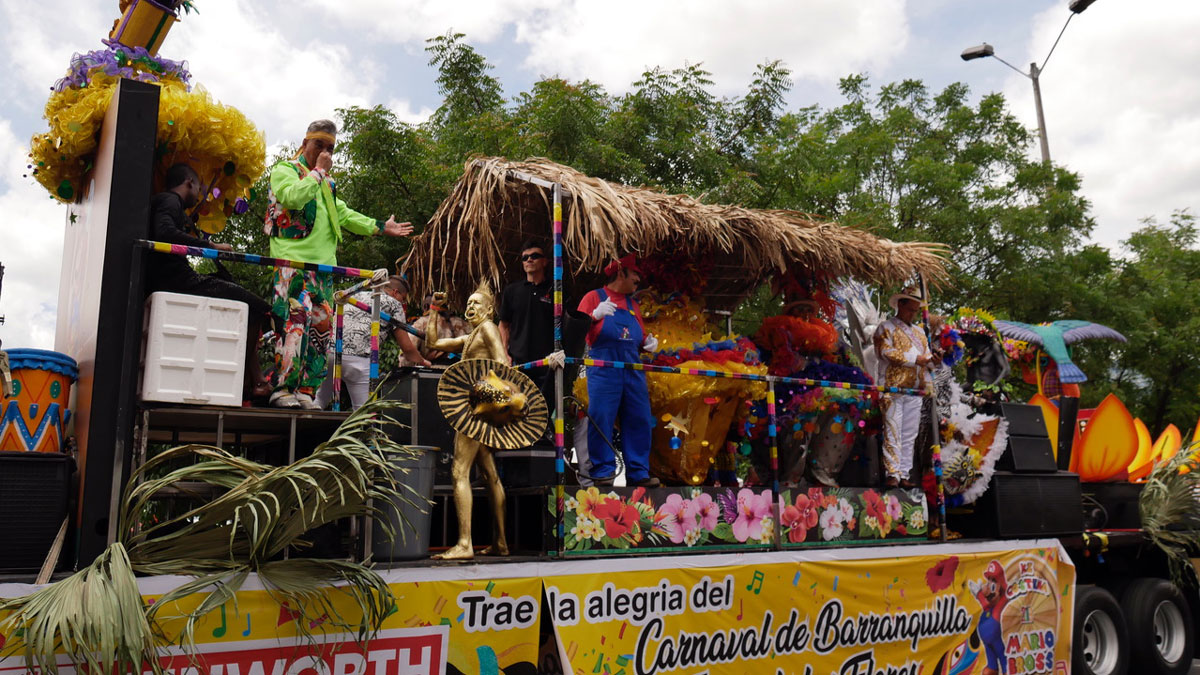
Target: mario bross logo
<point x="1018" y="617"/>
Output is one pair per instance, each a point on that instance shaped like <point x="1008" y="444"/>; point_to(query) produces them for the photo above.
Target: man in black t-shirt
<point x="527" y="317"/>
<point x="171" y="223"/>
<point x="527" y="309"/>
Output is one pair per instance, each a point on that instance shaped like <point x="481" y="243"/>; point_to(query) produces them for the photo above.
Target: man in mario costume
<point x="618" y="334"/>
<point x="992" y="595"/>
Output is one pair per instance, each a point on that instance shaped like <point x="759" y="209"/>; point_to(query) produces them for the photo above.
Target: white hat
<point x="910" y="293"/>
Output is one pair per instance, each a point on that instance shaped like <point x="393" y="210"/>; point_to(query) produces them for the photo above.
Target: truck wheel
<point x="1099" y="641"/>
<point x="1160" y="626"/>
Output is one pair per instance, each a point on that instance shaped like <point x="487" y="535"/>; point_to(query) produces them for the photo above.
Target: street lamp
<point x="985" y="50"/>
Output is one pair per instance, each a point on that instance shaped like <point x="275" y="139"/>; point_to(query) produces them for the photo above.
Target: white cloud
<point x="414" y="21"/>
<point x="237" y="51"/>
<point x="403" y="111"/>
<point x="30" y="248"/>
<point x="614" y="42"/>
<point x="40" y="37"/>
<point x="1122" y="107"/>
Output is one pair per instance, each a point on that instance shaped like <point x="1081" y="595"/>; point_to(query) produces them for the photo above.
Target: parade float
<point x="785" y="573"/>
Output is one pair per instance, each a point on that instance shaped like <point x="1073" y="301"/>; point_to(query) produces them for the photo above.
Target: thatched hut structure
<point x="497" y="204"/>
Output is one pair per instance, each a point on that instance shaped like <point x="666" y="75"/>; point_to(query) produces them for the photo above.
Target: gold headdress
<point x="492" y="403"/>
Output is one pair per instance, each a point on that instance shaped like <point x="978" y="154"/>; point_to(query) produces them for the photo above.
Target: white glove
<point x="557" y="360"/>
<point x="974" y="587"/>
<point x="379" y="277"/>
<point x="651" y="344"/>
<point x="606" y="308"/>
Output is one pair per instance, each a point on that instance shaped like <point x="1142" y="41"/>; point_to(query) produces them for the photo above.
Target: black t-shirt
<point x="169" y="223"/>
<point x="529" y="310"/>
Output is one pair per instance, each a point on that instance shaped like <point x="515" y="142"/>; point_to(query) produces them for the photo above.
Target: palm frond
<point x="1170" y="511"/>
<point x="97" y="617"/>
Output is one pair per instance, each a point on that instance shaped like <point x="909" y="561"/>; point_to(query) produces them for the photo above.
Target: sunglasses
<point x="531" y="256"/>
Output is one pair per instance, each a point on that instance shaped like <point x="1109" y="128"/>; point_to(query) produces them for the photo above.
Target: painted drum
<point x="145" y="23"/>
<point x="35" y="417"/>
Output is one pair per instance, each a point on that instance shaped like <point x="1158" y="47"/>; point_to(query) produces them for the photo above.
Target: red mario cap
<point x="628" y="262"/>
<point x="996" y="571"/>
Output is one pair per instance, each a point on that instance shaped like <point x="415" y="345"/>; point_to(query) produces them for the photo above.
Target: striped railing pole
<point x="560" y="451"/>
<point x="935" y="452"/>
<point x="773" y="435"/>
<point x="828" y="384"/>
<point x="340" y="314"/>
<point x="251" y="259"/>
<point x="375" y="301"/>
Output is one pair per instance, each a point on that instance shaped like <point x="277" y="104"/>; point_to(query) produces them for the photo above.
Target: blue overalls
<point x="619" y="391"/>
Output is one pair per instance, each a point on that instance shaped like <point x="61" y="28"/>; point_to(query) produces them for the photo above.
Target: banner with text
<point x="1008" y="611"/>
<point x="437" y="627"/>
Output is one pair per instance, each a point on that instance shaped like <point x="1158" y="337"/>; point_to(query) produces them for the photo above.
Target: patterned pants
<point x="302" y="303"/>
<point x="901" y="420"/>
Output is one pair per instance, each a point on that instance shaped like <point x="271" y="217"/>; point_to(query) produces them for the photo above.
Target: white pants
<point x="901" y="420"/>
<point x="356" y="378"/>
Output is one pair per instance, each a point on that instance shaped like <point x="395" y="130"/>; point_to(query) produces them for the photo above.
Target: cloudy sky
<point x="1121" y="95"/>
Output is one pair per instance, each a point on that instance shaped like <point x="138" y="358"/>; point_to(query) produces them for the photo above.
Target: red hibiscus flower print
<point x="939" y="577"/>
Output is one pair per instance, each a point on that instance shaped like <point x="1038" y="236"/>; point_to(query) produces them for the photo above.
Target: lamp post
<point x="985" y="50"/>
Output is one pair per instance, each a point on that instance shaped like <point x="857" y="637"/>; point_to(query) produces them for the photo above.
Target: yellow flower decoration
<point x="218" y="141"/>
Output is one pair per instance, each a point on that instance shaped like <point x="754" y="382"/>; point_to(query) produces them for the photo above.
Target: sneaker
<point x="650" y="482"/>
<point x="283" y="399"/>
<point x="603" y="482"/>
<point x="306" y="401"/>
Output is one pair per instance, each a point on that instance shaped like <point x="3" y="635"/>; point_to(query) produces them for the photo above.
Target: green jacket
<point x="305" y="217"/>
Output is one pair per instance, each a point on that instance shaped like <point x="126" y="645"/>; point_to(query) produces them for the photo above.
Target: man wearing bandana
<point x="305" y="219"/>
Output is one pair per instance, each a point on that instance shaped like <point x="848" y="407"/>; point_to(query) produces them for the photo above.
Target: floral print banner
<point x="706" y="518"/>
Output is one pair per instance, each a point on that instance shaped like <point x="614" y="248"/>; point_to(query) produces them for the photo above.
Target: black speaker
<point x="424" y="420"/>
<point x="34" y="498"/>
<point x="1025" y="505"/>
<point x="1112" y="505"/>
<point x="1028" y="454"/>
<point x="1068" y="413"/>
<point x="530" y="467"/>
<point x="1024" y="420"/>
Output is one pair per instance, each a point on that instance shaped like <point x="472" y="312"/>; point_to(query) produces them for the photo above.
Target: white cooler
<point x="194" y="350"/>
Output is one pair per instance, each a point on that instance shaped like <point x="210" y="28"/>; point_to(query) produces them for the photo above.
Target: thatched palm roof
<point x="477" y="232"/>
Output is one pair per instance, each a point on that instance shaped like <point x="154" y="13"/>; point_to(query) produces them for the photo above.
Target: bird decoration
<point x="1054" y="337"/>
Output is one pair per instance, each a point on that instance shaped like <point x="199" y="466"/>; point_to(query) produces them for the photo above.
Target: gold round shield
<point x="492" y="403"/>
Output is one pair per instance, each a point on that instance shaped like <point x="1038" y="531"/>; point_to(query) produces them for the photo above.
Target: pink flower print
<point x="752" y="510"/>
<point x="831" y="523"/>
<point x="674" y="521"/>
<point x="702" y="510"/>
<point x="893" y="507"/>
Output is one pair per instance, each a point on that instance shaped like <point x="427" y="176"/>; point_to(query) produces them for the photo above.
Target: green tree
<point x="1156" y="288"/>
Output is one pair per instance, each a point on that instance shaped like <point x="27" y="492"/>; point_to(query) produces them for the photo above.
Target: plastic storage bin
<point x="195" y="350"/>
<point x="409" y="521"/>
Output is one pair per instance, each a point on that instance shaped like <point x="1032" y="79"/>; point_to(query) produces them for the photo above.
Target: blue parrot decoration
<point x="1054" y="337"/>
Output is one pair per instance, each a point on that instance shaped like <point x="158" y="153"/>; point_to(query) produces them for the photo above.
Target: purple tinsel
<point x="118" y="60"/>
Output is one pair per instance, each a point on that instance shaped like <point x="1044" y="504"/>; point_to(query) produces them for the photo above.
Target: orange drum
<point x="35" y="417"/>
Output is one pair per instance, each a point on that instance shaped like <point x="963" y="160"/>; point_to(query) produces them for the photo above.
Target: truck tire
<point x="1160" y="626"/>
<point x="1099" y="641"/>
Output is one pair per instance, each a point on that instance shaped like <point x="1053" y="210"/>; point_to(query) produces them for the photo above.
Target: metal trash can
<point x="410" y="522"/>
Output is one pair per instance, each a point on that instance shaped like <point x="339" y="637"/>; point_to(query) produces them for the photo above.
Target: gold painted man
<point x="483" y="342"/>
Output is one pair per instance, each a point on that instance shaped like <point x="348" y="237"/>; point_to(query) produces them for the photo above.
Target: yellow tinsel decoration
<point x="217" y="140"/>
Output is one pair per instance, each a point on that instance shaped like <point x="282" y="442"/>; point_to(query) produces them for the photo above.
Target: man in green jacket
<point x="304" y="220"/>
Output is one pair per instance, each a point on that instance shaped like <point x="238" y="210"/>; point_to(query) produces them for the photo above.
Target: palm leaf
<point x="97" y="617"/>
<point x="1170" y="511"/>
